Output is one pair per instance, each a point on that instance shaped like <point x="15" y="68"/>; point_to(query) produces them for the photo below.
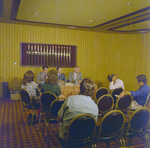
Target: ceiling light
<point x="35" y="13"/>
<point x="128" y="4"/>
<point x="71" y="27"/>
<point x="90" y="20"/>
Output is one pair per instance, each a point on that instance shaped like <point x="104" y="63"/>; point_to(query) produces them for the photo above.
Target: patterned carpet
<point x="15" y="135"/>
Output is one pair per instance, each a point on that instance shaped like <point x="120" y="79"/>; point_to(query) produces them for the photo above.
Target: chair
<point x="80" y="132"/>
<point x="138" y="125"/>
<point x="111" y="128"/>
<point x="105" y="103"/>
<point x="115" y="92"/>
<point x="124" y="104"/>
<point x="147" y="103"/>
<point x="28" y="104"/>
<point x="50" y="105"/>
<point x="100" y="92"/>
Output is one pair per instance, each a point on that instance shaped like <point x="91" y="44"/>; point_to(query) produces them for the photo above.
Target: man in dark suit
<point x="61" y="76"/>
<point x="41" y="77"/>
<point x="75" y="76"/>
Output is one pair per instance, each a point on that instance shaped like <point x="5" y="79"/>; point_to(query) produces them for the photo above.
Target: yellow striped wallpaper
<point x="98" y="54"/>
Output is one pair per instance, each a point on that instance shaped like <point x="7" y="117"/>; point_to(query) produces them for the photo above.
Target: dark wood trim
<point x="124" y="16"/>
<point x="14" y="9"/>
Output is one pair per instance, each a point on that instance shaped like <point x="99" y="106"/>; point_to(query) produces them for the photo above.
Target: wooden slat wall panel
<point x="98" y="54"/>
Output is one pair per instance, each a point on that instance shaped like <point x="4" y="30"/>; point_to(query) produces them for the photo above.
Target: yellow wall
<point x="98" y="54"/>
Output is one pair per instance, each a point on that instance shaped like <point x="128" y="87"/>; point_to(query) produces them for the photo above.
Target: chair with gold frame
<point x="147" y="103"/>
<point x="80" y="132"/>
<point x="115" y="92"/>
<point x="100" y="92"/>
<point x="50" y="105"/>
<point x="138" y="125"/>
<point x="111" y="128"/>
<point x="28" y="104"/>
<point x="124" y="104"/>
<point x="105" y="103"/>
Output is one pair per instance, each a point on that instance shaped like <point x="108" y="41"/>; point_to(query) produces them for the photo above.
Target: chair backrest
<point x="111" y="124"/>
<point x="46" y="99"/>
<point x="105" y="103"/>
<point x="81" y="128"/>
<point x="55" y="107"/>
<point x="139" y="120"/>
<point x="124" y="103"/>
<point x="116" y="91"/>
<point x="147" y="103"/>
<point x="25" y="97"/>
<point x="101" y="91"/>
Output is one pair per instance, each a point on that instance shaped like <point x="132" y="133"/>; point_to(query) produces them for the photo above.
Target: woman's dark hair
<point x="110" y="76"/>
<point x="52" y="77"/>
<point x="142" y="78"/>
<point x="87" y="87"/>
<point x="28" y="77"/>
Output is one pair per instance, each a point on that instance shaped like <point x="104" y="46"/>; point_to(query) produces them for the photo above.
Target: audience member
<point x="75" y="76"/>
<point x="51" y="83"/>
<point x="29" y="84"/>
<point x="115" y="82"/>
<point x="61" y="76"/>
<point x="139" y="96"/>
<point x="41" y="77"/>
<point x="77" y="104"/>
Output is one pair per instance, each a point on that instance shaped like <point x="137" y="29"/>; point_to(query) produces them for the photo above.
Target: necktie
<point x="44" y="76"/>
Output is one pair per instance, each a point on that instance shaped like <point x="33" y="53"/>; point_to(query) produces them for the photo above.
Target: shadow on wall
<point x="1" y="87"/>
<point x="103" y="84"/>
<point x="15" y="84"/>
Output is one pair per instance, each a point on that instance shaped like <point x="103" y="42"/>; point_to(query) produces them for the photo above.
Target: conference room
<point x="100" y="37"/>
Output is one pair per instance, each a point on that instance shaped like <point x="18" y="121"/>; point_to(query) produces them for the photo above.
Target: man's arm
<point x="64" y="77"/>
<point x="124" y="93"/>
<point x="70" y="77"/>
<point x="81" y="78"/>
<point x="38" y="79"/>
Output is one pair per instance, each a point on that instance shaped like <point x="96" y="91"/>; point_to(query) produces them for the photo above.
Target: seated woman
<point x="29" y="84"/>
<point x="115" y="82"/>
<point x="75" y="105"/>
<point x="51" y="83"/>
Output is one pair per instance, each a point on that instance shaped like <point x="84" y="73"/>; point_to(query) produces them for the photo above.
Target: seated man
<point x="41" y="77"/>
<point x="114" y="82"/>
<point x="61" y="76"/>
<point x="77" y="104"/>
<point x="75" y="76"/>
<point x="139" y="96"/>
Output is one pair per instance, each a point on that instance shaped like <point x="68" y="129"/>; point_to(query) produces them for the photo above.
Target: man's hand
<point x="79" y="81"/>
<point x="121" y="94"/>
<point x="114" y="78"/>
<point x="59" y="119"/>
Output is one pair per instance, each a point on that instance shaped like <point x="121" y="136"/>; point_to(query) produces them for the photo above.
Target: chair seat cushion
<point x="35" y="106"/>
<point x="103" y="137"/>
<point x="49" y="120"/>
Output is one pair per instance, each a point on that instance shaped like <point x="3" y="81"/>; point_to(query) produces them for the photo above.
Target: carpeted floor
<point x="15" y="135"/>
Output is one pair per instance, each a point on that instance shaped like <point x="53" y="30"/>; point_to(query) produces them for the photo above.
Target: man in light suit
<point x="61" y="76"/>
<point x="75" y="76"/>
<point x="41" y="77"/>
